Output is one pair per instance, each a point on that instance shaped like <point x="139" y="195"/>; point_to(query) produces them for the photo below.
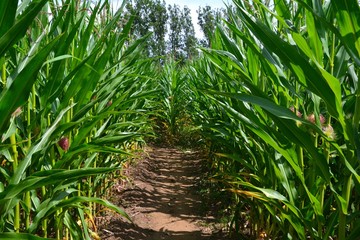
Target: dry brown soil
<point x="163" y="201"/>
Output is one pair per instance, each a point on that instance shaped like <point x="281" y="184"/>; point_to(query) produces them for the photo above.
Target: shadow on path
<point x="162" y="200"/>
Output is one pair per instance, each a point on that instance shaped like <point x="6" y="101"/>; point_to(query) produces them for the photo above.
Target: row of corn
<point x="74" y="99"/>
<point x="277" y="99"/>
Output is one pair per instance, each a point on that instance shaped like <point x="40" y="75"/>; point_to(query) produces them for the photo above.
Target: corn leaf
<point x="21" y="236"/>
<point x="17" y="93"/>
<point x="306" y="74"/>
<point x="76" y="201"/>
<point x="7" y="15"/>
<point x="18" y="30"/>
<point x="347" y="15"/>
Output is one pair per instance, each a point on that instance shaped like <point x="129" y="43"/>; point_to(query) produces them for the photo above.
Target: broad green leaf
<point x="17" y="93"/>
<point x="298" y="226"/>
<point x="20" y="236"/>
<point x="347" y="15"/>
<point x="306" y="74"/>
<point x="25" y="163"/>
<point x="84" y="224"/>
<point x="283" y="175"/>
<point x="18" y="29"/>
<point x="278" y="112"/>
<point x="10" y="196"/>
<point x="7" y="15"/>
<point x="66" y="160"/>
<point x="282" y="9"/>
<point x="70" y="202"/>
<point x="314" y="39"/>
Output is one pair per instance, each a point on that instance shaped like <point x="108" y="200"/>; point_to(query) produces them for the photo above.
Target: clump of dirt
<point x="162" y="200"/>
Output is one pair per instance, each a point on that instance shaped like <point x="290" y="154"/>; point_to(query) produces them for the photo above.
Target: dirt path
<point x="162" y="200"/>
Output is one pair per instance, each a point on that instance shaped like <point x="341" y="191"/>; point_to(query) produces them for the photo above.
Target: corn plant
<point x="173" y="83"/>
<point x="74" y="98"/>
<point x="278" y="97"/>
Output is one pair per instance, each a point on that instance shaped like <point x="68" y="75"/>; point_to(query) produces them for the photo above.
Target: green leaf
<point x="86" y="148"/>
<point x="7" y="15"/>
<point x="21" y="236"/>
<point x="25" y="163"/>
<point x="282" y="9"/>
<point x="17" y="93"/>
<point x="70" y="202"/>
<point x="279" y="112"/>
<point x="314" y="39"/>
<point x="12" y="194"/>
<point x="308" y="76"/>
<point x="18" y="30"/>
<point x="347" y="15"/>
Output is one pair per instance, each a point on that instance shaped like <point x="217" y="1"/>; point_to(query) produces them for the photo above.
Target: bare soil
<point x="163" y="200"/>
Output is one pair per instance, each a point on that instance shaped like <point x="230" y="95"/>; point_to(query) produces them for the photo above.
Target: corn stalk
<point x="277" y="96"/>
<point x="74" y="68"/>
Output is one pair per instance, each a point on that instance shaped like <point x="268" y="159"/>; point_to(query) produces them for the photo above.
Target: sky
<point x="193" y="5"/>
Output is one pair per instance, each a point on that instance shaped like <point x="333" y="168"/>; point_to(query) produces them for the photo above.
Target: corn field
<point x="275" y="101"/>
<point x="74" y="103"/>
<point x="278" y="99"/>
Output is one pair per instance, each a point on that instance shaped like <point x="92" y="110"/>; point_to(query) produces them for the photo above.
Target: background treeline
<point x="171" y="27"/>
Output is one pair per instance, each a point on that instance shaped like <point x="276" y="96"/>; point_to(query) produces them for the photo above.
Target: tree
<point x="175" y="42"/>
<point x="189" y="38"/>
<point x="140" y="10"/>
<point x="207" y="19"/>
<point x="150" y="17"/>
<point x="158" y="19"/>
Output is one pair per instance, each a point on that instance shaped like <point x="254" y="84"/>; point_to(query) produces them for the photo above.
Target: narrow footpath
<point x="163" y="201"/>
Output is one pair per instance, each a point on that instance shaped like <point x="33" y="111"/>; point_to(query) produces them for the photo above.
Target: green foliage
<point x="173" y="98"/>
<point x="149" y="17"/>
<point x="276" y="97"/>
<point x="159" y="17"/>
<point x="207" y="19"/>
<point x="173" y="23"/>
<point x="190" y="40"/>
<point x="70" y="74"/>
<point x="19" y="236"/>
<point x="175" y="26"/>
